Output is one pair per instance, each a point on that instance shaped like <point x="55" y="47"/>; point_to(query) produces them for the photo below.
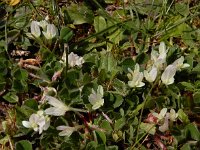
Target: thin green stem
<point x="66" y="51"/>
<point x="142" y="109"/>
<point x="77" y="109"/>
<point x="145" y="134"/>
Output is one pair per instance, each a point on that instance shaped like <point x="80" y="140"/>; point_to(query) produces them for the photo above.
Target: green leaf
<point x="194" y="132"/>
<point x="148" y="127"/>
<point x="107" y="62"/>
<point x="106" y="125"/>
<point x="91" y="145"/>
<point x="186" y="146"/>
<point x="23" y="145"/>
<point x="102" y="136"/>
<point x="142" y="58"/>
<point x="101" y="147"/>
<point x="31" y="103"/>
<point x="187" y="86"/>
<point x="80" y="13"/>
<point x="119" y="123"/>
<point x="66" y="34"/>
<point x="99" y="24"/>
<point x="182" y="116"/>
<point x="196" y="69"/>
<point x="20" y="74"/>
<point x="120" y="87"/>
<point x="196" y="97"/>
<point x="11" y="97"/>
<point x="20" y="86"/>
<point x="115" y="38"/>
<point x="118" y="100"/>
<point x="127" y="63"/>
<point x="182" y="8"/>
<point x="12" y="35"/>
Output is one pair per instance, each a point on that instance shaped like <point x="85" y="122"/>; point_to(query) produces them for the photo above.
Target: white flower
<point x="44" y="121"/>
<point x="96" y="98"/>
<point x="74" y="60"/>
<point x="172" y="115"/>
<point x="66" y="130"/>
<point x="168" y="75"/>
<point x="135" y="77"/>
<point x="159" y="58"/>
<point x="50" y="32"/>
<point x="165" y="125"/>
<point x="32" y="123"/>
<point x="43" y="24"/>
<point x="162" y="51"/>
<point x="38" y="122"/>
<point x="179" y="63"/>
<point x="35" y="29"/>
<point x="161" y="115"/>
<point x="58" y="109"/>
<point x="150" y="76"/>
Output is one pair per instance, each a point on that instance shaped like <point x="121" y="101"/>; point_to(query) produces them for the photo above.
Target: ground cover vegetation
<point x="99" y="75"/>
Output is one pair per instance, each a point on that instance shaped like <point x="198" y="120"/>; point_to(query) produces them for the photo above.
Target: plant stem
<point x="66" y="51"/>
<point x="142" y="109"/>
<point x="77" y="109"/>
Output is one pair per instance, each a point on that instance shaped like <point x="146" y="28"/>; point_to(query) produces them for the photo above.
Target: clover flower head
<point x="50" y="32"/>
<point x="166" y="116"/>
<point x="96" y="98"/>
<point x="43" y="24"/>
<point x="38" y="122"/>
<point x="161" y="115"/>
<point x="66" y="130"/>
<point x="35" y="29"/>
<point x="165" y="126"/>
<point x="74" y="60"/>
<point x="135" y="77"/>
<point x="179" y="63"/>
<point x="151" y="75"/>
<point x="173" y="115"/>
<point x="58" y="109"/>
<point x="159" y="59"/>
<point x="168" y="75"/>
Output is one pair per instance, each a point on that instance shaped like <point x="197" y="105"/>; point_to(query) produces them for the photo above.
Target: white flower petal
<point x="55" y="111"/>
<point x="56" y="103"/>
<point x="179" y="63"/>
<point x="26" y="124"/>
<point x="162" y="113"/>
<point x="162" y="48"/>
<point x="141" y="84"/>
<point x="47" y="123"/>
<point x="96" y="98"/>
<point x="100" y="90"/>
<point x="50" y="32"/>
<point x="185" y="65"/>
<point x="165" y="126"/>
<point x="173" y="115"/>
<point x="43" y="24"/>
<point x="35" y="29"/>
<point x="34" y="118"/>
<point x="75" y="60"/>
<point x="35" y="128"/>
<point x="135" y="77"/>
<point x="151" y="76"/>
<point x="67" y="131"/>
<point x="168" y="75"/>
